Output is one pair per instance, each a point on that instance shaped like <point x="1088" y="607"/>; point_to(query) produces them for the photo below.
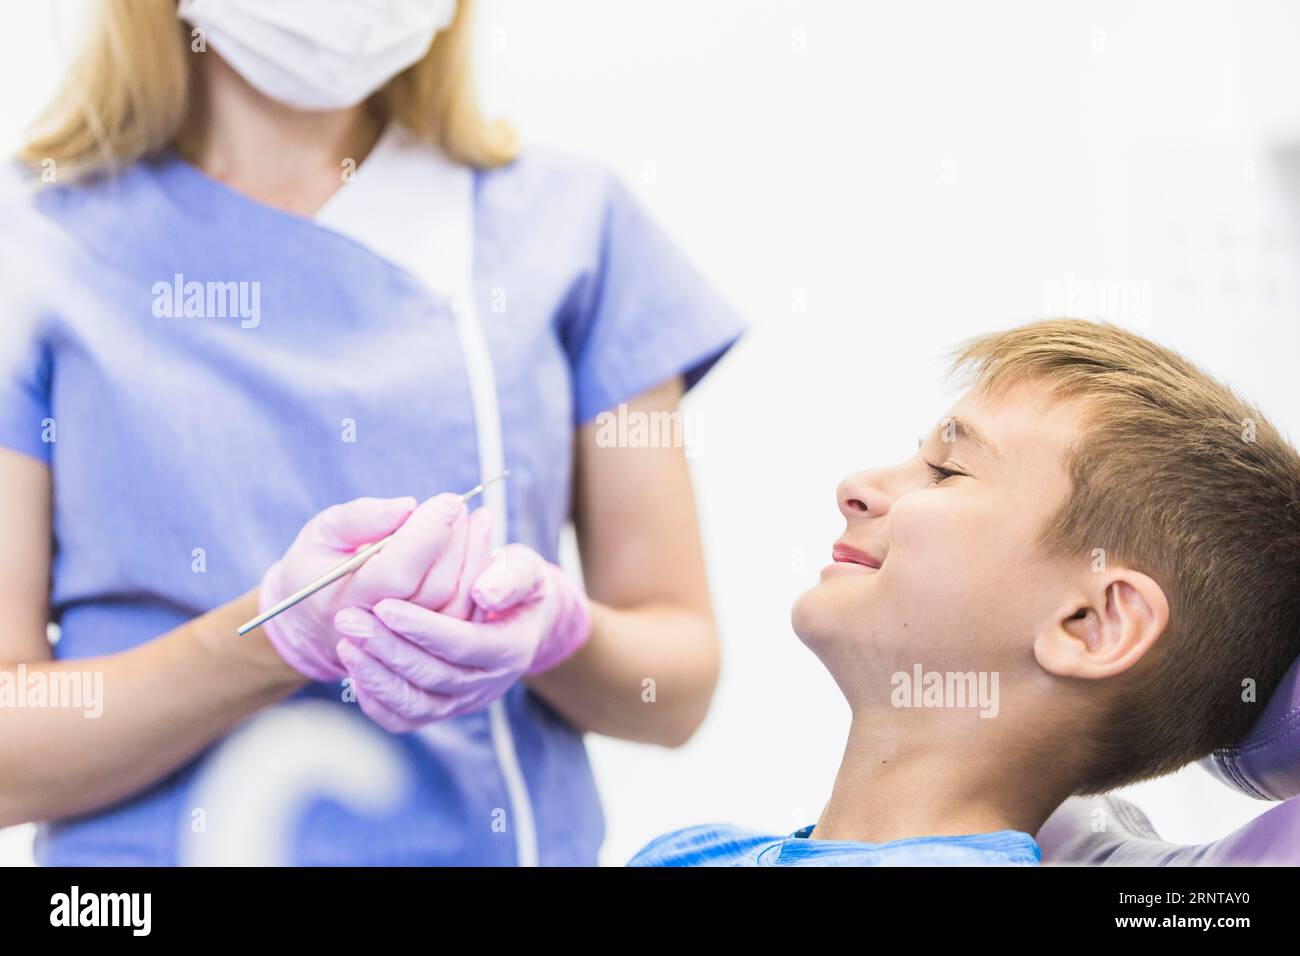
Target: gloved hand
<point x="413" y="666"/>
<point x="422" y="562"/>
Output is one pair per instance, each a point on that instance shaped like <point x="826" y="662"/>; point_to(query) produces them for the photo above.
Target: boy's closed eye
<point x="941" y="473"/>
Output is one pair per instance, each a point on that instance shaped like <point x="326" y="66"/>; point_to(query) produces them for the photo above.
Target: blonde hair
<point x="1176" y="476"/>
<point x="128" y="94"/>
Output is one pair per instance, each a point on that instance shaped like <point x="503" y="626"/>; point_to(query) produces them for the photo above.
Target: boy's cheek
<point x="926" y="542"/>
<point x="919" y="517"/>
<point x="944" y="573"/>
<point x="947" y="541"/>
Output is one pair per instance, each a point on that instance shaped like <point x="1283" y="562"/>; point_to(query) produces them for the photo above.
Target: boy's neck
<point x="904" y="778"/>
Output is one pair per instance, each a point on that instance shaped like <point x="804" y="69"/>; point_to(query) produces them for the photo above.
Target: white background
<point x="868" y="183"/>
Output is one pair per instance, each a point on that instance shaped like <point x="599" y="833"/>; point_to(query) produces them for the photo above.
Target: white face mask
<point x="318" y="56"/>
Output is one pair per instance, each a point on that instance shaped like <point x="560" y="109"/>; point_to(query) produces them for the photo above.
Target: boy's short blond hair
<point x="1176" y="476"/>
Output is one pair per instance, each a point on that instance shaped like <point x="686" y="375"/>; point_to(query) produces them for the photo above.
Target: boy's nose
<point x="859" y="496"/>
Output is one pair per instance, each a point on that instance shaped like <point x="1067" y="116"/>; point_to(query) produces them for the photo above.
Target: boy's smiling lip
<point x="842" y="553"/>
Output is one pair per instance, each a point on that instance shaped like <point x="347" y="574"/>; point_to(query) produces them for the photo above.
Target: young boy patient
<point x="1067" y="589"/>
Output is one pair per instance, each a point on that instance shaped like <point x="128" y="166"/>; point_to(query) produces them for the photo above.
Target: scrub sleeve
<point x="25" y="421"/>
<point x="647" y="315"/>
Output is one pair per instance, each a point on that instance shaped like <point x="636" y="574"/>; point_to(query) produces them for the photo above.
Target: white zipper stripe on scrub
<point x="491" y="457"/>
<point x="412" y="205"/>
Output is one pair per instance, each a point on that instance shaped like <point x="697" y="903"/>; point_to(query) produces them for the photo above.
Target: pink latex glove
<point x="413" y="666"/>
<point x="422" y="562"/>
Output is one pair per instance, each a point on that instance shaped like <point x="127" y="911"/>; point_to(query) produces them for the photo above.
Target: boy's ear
<point x="1106" y="627"/>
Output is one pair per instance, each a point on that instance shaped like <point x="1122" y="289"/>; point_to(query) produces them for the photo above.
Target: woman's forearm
<point x="162" y="702"/>
<point x="646" y="674"/>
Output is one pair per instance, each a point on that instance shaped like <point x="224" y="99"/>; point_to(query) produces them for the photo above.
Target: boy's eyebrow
<point x="960" y="428"/>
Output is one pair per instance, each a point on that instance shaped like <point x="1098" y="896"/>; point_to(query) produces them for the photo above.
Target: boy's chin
<point x="838" y="625"/>
<point x="821" y="621"/>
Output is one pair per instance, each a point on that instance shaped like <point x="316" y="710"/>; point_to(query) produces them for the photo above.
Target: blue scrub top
<point x="186" y="453"/>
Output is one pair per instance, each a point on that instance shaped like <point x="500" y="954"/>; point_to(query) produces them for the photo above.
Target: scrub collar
<point x="411" y="204"/>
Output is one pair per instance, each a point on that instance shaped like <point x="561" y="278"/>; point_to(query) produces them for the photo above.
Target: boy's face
<point x="951" y="576"/>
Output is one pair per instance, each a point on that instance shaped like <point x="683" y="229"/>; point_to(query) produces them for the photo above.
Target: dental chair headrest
<point x="1110" y="831"/>
<point x="1266" y="762"/>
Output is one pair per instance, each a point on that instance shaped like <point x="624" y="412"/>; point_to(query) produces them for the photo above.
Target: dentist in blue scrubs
<point x="268" y="258"/>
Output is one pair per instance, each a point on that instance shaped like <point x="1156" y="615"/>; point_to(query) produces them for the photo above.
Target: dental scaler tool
<point x="347" y="567"/>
